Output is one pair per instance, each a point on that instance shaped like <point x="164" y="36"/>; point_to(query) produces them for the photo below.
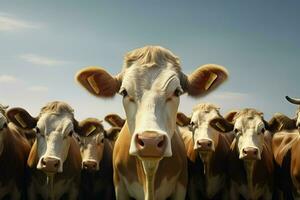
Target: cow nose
<point x="150" y="144"/>
<point x="204" y="145"/>
<point x="50" y="165"/>
<point x="89" y="165"/>
<point x="250" y="153"/>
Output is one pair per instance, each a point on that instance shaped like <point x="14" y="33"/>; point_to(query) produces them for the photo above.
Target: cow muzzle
<point x="204" y="145"/>
<point x="89" y="165"/>
<point x="50" y="165"/>
<point x="250" y="153"/>
<point x="150" y="145"/>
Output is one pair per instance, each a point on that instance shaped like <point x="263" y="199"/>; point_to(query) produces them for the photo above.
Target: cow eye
<point x="37" y="130"/>
<point x="124" y="93"/>
<point x="4" y="126"/>
<point x="236" y="131"/>
<point x="263" y="130"/>
<point x="70" y="133"/>
<point x="177" y="92"/>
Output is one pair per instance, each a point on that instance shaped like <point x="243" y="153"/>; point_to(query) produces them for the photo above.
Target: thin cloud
<point x="8" y="23"/>
<point x="230" y="96"/>
<point x="38" y="89"/>
<point x="7" y="79"/>
<point x="40" y="60"/>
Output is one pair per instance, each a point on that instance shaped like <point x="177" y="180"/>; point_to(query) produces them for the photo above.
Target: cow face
<point x="54" y="128"/>
<point x="3" y="126"/>
<point x="151" y="82"/>
<point x="249" y="128"/>
<point x="205" y="137"/>
<point x="91" y="141"/>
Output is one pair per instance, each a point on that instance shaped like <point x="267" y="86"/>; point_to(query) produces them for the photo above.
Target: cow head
<point x="3" y="125"/>
<point x="249" y="128"/>
<point x="54" y="128"/>
<point x="91" y="140"/>
<point x="151" y="83"/>
<point x="297" y="102"/>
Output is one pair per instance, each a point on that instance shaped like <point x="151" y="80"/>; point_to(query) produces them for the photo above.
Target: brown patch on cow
<point x="112" y="133"/>
<point x="21" y="118"/>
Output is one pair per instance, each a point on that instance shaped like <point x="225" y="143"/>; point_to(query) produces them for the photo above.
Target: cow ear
<point x="230" y="116"/>
<point x="89" y="126"/>
<point x="21" y="118"/>
<point x="281" y="122"/>
<point x="221" y="125"/>
<point x="204" y="80"/>
<point x="114" y="120"/>
<point x="98" y="82"/>
<point x="112" y="133"/>
<point x="182" y="119"/>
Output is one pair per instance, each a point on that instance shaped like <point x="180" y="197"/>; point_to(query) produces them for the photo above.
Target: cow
<point x="96" y="147"/>
<point x="207" y="151"/>
<point x="14" y="150"/>
<point x="250" y="161"/>
<point x="149" y="155"/>
<point x="286" y="146"/>
<point x="54" y="159"/>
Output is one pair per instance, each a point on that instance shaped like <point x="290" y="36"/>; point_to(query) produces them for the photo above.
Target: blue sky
<point x="44" y="43"/>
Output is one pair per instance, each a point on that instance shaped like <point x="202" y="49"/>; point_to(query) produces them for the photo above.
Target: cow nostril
<point x="56" y="165"/>
<point x="43" y="162"/>
<point x="209" y="144"/>
<point x="244" y="152"/>
<point x="255" y="152"/>
<point x="140" y="141"/>
<point x="161" y="143"/>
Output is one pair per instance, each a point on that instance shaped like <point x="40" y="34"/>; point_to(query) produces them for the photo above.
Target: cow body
<point x="129" y="176"/>
<point x="13" y="155"/>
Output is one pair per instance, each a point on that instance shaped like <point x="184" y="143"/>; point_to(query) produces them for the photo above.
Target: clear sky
<point x="44" y="43"/>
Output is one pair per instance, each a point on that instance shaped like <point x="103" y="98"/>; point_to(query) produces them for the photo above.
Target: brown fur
<point x="85" y="125"/>
<point x="13" y="157"/>
<point x="168" y="167"/>
<point x="281" y="122"/>
<point x="182" y="119"/>
<point x="114" y="120"/>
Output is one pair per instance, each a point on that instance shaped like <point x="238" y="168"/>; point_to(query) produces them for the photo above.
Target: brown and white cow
<point x="250" y="165"/>
<point x="286" y="148"/>
<point x="54" y="158"/>
<point x="96" y="147"/>
<point x="207" y="151"/>
<point x="14" y="150"/>
<point x="149" y="156"/>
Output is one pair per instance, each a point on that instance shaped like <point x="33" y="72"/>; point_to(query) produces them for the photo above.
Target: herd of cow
<point x="157" y="153"/>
